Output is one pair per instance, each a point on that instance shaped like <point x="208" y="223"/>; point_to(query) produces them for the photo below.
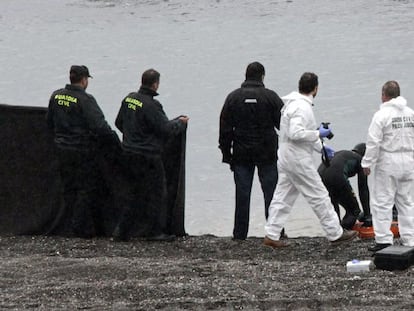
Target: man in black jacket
<point x="248" y="139"/>
<point x="145" y="128"/>
<point x="335" y="175"/>
<point x="79" y="125"/>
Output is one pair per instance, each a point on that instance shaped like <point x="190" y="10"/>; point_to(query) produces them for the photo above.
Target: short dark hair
<point x="255" y="71"/>
<point x="149" y="77"/>
<point x="391" y="89"/>
<point x="307" y="83"/>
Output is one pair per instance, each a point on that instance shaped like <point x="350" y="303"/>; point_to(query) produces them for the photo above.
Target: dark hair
<point x="307" y="83"/>
<point x="391" y="89"/>
<point x="149" y="77"/>
<point x="74" y="78"/>
<point x="255" y="71"/>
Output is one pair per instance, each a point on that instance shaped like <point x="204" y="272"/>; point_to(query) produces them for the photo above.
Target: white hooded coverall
<point x="297" y="171"/>
<point x="390" y="147"/>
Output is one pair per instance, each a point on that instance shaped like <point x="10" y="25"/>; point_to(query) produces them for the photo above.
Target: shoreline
<point x="194" y="273"/>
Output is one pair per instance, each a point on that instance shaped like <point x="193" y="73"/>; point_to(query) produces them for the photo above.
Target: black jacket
<point x="247" y="125"/>
<point x="343" y="165"/>
<point x="76" y="118"/>
<point x="144" y="124"/>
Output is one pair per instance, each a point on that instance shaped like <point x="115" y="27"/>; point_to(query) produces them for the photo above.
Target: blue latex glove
<point x="329" y="151"/>
<point x="323" y="132"/>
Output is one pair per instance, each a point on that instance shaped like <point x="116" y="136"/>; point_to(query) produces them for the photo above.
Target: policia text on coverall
<point x="78" y="125"/>
<point x="390" y="147"/>
<point x="335" y="176"/>
<point x="145" y="127"/>
<point x="248" y="139"/>
<point x="297" y="172"/>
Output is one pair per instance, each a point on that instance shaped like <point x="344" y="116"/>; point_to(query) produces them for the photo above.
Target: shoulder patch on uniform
<point x="133" y="103"/>
<point x="65" y="100"/>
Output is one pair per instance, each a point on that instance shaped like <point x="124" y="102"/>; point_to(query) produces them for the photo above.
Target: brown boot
<point x="273" y="243"/>
<point x="347" y="235"/>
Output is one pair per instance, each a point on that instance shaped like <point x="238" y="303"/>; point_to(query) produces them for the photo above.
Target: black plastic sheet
<point x="30" y="187"/>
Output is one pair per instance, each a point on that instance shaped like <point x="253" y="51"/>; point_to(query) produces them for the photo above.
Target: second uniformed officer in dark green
<point x="78" y="123"/>
<point x="145" y="128"/>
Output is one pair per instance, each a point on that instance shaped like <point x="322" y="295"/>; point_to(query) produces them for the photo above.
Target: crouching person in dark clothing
<point x="145" y="128"/>
<point x="79" y="126"/>
<point x="335" y="176"/>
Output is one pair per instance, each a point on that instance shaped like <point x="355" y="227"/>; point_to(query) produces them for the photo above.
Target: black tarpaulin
<point x="30" y="188"/>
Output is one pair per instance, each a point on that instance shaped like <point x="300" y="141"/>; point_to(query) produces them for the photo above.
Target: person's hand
<point x="366" y="171"/>
<point x="227" y="158"/>
<point x="324" y="132"/>
<point x="328" y="151"/>
<point x="230" y="163"/>
<point x="183" y="119"/>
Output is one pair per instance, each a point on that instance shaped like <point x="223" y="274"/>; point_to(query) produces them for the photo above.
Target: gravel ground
<point x="194" y="273"/>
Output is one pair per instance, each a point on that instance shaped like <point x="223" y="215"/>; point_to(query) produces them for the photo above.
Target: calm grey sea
<point x="201" y="48"/>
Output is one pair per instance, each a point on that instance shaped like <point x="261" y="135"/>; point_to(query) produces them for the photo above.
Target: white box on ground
<point x="359" y="265"/>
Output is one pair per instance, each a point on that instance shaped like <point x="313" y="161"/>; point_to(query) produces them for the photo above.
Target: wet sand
<point x="194" y="273"/>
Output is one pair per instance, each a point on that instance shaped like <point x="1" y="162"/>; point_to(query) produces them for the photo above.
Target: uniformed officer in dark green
<point x="78" y="124"/>
<point x="145" y="128"/>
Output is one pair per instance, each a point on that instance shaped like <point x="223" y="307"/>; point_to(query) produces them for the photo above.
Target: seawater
<point x="201" y="48"/>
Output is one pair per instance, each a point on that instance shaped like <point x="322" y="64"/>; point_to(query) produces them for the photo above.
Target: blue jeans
<point x="243" y="178"/>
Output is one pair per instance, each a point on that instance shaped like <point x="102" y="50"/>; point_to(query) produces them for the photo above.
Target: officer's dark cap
<point x="79" y="71"/>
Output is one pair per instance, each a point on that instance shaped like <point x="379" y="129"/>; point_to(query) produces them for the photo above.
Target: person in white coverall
<point x="390" y="147"/>
<point x="297" y="171"/>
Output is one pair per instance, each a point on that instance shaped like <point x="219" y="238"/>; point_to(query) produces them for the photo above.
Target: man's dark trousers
<point x="243" y="178"/>
<point x="343" y="194"/>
